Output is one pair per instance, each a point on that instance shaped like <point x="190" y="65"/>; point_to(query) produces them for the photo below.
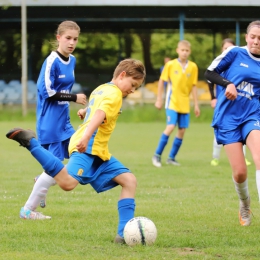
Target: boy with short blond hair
<point x="182" y="76"/>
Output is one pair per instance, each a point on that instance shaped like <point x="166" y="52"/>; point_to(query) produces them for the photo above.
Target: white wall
<point x="131" y="2"/>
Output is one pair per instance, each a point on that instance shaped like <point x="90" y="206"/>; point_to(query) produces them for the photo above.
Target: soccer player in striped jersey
<point x="236" y="118"/>
<point x="53" y="125"/>
<point x="90" y="161"/>
<point x="182" y="76"/>
<point x="217" y="147"/>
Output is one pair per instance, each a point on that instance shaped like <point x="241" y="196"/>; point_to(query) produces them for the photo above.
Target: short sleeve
<point x="111" y="105"/>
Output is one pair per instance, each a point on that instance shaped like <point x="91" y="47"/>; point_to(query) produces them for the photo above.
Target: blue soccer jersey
<point x="239" y="66"/>
<point x="53" y="120"/>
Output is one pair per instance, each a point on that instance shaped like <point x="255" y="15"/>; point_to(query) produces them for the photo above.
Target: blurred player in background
<point x="236" y="118"/>
<point x="53" y="121"/>
<point x="90" y="161"/>
<point x="217" y="147"/>
<point x="182" y="76"/>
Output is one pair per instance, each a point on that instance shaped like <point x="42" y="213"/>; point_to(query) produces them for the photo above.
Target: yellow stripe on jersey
<point x="108" y="98"/>
<point x="181" y="82"/>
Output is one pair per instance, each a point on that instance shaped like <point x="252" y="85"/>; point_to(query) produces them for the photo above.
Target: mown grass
<point x="136" y="114"/>
<point x="194" y="206"/>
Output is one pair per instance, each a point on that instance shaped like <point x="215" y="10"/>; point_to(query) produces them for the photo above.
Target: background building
<point x="112" y="30"/>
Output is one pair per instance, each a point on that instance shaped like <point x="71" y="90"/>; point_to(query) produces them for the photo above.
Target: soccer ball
<point x="140" y="230"/>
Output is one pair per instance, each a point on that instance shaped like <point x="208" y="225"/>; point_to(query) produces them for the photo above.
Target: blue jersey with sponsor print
<point x="239" y="66"/>
<point x="53" y="120"/>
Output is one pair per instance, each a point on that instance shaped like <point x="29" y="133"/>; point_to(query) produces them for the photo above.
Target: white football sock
<point x="242" y="189"/>
<point x="216" y="149"/>
<point x="39" y="191"/>
<point x="258" y="182"/>
<point x="244" y="150"/>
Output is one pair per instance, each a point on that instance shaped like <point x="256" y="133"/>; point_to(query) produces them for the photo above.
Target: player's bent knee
<point x="126" y="180"/>
<point x="65" y="187"/>
<point x="170" y="127"/>
<point x="67" y="183"/>
<point x="132" y="177"/>
<point x="240" y="175"/>
<point x="131" y="181"/>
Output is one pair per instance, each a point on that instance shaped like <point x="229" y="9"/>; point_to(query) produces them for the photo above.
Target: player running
<point x="53" y="120"/>
<point x="236" y="118"/>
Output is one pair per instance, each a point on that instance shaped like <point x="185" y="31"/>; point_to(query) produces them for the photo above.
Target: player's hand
<point x="81" y="99"/>
<point x="197" y="111"/>
<point x="81" y="113"/>
<point x="158" y="104"/>
<point x="213" y="103"/>
<point x="82" y="145"/>
<point x="231" y="92"/>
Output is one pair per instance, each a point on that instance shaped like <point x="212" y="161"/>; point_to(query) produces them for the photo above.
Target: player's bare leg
<point x="239" y="173"/>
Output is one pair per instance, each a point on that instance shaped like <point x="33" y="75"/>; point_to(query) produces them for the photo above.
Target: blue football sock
<point x="126" y="209"/>
<point x="50" y="163"/>
<point x="162" y="143"/>
<point x="175" y="147"/>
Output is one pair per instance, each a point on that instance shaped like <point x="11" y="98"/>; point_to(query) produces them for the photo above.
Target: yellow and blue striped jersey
<point x="108" y="98"/>
<point x="181" y="80"/>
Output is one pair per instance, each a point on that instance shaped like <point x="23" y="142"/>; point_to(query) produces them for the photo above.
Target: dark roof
<point x="116" y="18"/>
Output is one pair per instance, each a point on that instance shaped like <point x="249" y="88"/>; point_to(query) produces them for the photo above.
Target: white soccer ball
<point x="140" y="230"/>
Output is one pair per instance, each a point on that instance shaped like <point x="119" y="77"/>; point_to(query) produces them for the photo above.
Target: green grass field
<point x="194" y="206"/>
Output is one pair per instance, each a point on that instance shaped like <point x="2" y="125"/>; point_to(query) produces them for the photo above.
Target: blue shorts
<point x="90" y="169"/>
<point x="60" y="149"/>
<point x="174" y="118"/>
<point x="236" y="135"/>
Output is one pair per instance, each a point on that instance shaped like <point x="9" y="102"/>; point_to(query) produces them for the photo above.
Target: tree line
<point x="98" y="53"/>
